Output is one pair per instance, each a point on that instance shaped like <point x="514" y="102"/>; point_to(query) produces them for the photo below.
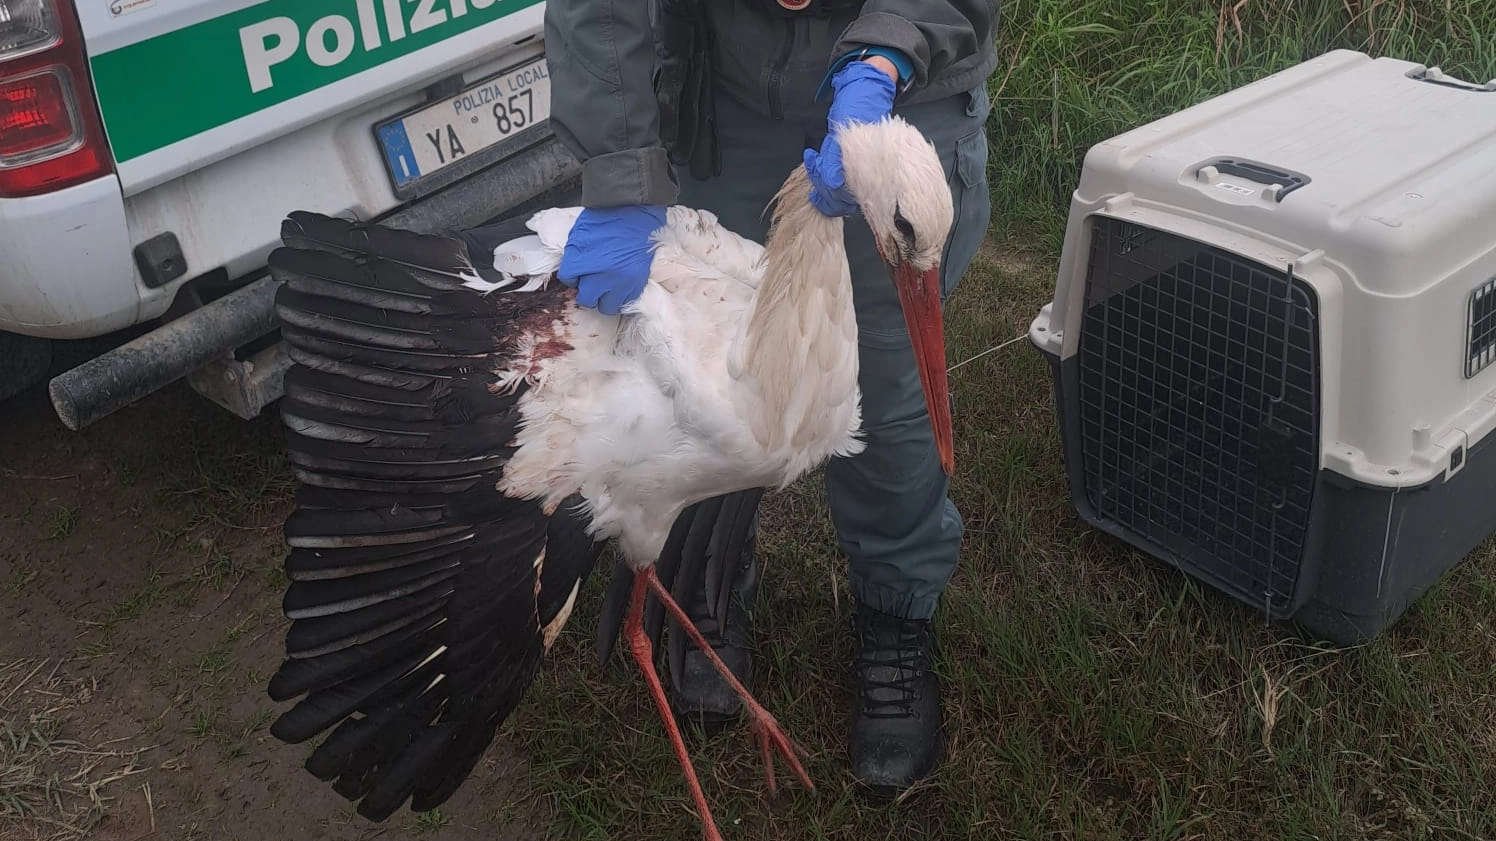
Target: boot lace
<point x="892" y="663"/>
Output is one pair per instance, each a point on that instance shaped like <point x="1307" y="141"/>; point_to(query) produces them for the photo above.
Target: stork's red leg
<point x="633" y="630"/>
<point x="765" y="728"/>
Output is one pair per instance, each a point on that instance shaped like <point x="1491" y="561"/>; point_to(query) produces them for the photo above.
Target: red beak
<point x="919" y="294"/>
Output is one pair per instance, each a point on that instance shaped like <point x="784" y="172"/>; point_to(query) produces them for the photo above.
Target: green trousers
<point x="894" y="518"/>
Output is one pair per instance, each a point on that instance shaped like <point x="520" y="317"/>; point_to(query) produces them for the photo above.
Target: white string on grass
<point x="993" y="349"/>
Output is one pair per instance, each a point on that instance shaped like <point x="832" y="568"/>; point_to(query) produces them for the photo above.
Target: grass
<point x="429" y="822"/>
<point x="19" y="580"/>
<point x="1075" y="73"/>
<point x="62" y="522"/>
<point x="210" y="488"/>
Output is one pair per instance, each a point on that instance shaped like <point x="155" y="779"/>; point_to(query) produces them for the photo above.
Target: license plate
<point x="433" y="137"/>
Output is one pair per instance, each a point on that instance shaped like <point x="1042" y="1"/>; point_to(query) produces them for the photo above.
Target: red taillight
<point x="36" y="120"/>
<point x="50" y="133"/>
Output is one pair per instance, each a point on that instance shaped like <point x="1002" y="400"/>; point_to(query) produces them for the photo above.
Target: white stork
<point x="464" y="436"/>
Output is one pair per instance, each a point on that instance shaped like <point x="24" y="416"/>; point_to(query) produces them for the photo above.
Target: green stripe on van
<point x="156" y="92"/>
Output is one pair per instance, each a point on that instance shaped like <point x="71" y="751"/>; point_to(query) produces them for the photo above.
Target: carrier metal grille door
<point x="1480" y="328"/>
<point x="1198" y="395"/>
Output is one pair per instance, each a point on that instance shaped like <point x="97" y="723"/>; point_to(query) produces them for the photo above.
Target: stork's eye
<point x="903" y="226"/>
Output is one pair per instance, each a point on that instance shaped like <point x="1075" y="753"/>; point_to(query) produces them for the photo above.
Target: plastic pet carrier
<point x="1273" y="334"/>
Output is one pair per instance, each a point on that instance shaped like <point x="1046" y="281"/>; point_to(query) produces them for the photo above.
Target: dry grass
<point x="52" y="787"/>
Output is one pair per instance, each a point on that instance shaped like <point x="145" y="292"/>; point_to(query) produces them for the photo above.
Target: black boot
<point x="896" y="738"/>
<point x="699" y="694"/>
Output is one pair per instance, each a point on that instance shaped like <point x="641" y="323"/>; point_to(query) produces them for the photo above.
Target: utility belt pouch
<point x="683" y="86"/>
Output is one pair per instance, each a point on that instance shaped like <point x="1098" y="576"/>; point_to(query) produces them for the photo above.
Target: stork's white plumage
<point x="465" y="433"/>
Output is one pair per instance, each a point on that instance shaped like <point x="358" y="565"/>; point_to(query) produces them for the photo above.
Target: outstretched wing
<point x="421" y="597"/>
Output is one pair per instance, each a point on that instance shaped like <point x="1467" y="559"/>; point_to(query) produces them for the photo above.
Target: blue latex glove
<point x="863" y="94"/>
<point x="608" y="255"/>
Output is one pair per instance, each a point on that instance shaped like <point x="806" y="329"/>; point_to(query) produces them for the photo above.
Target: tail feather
<point x="422" y="598"/>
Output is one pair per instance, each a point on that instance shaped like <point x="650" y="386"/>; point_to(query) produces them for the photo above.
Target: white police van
<point x="150" y="148"/>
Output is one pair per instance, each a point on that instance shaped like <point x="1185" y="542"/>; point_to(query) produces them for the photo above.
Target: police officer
<point x="747" y="88"/>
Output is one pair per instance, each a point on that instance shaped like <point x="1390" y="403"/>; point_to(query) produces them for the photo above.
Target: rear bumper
<point x="65" y="270"/>
<point x="203" y="344"/>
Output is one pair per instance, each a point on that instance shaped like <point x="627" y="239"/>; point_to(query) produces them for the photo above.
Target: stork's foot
<point x="766" y="731"/>
<point x="771" y="740"/>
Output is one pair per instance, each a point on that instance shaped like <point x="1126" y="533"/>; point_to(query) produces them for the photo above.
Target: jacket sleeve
<point x="601" y="55"/>
<point x="933" y="34"/>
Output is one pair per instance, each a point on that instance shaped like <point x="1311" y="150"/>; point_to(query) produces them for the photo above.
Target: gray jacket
<point x="602" y="61"/>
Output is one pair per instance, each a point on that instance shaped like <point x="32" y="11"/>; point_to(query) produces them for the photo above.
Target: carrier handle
<point x="1284" y="180"/>
<point x="1435" y="76"/>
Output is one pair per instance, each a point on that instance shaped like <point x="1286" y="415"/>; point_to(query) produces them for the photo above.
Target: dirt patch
<point x="140" y="578"/>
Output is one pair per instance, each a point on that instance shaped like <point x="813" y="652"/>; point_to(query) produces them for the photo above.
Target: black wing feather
<point x="570" y="556"/>
<point x="711" y="563"/>
<point x="705" y="549"/>
<point x="420" y="595"/>
<point x="433" y="261"/>
<point x="685" y="564"/>
<point x="302" y="675"/>
<point x="322" y="564"/>
<point x="729" y="541"/>
<point x="614" y="608"/>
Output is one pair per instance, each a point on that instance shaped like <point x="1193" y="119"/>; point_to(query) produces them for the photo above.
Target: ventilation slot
<point x="1198" y="394"/>
<point x="1480" y="328"/>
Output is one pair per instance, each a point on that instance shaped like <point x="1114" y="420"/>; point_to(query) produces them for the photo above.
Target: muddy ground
<point x="139" y="587"/>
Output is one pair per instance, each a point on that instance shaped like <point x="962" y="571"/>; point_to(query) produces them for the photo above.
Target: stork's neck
<point x="800" y="336"/>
